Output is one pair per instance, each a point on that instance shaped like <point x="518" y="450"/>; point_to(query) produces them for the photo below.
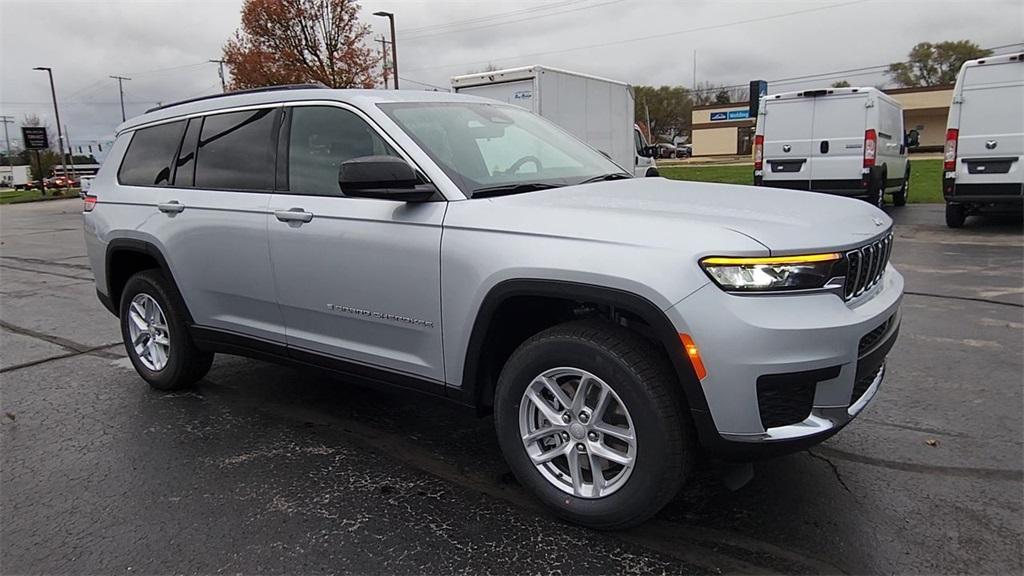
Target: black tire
<point x="876" y="189"/>
<point x="956" y="215"/>
<point x="652" y="173"/>
<point x="186" y="364"/>
<point x="641" y="376"/>
<point x="900" y="197"/>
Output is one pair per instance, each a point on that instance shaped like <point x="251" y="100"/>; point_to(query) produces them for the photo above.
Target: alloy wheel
<point x="147" y="328"/>
<point x="577" y="432"/>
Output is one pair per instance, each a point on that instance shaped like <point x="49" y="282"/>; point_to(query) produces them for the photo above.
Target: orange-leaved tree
<point x="298" y="41"/>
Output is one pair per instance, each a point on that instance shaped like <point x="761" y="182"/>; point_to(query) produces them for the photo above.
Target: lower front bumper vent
<point x="861" y="385"/>
<point x="785" y="399"/>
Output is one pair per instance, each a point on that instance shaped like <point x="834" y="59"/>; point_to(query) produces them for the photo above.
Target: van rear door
<point x="837" y="150"/>
<point x="990" y="148"/>
<point x="787" y="142"/>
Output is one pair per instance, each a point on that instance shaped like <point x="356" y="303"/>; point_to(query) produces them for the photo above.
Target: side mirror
<point x="383" y="177"/>
<point x="649" y="152"/>
<point x="913" y="139"/>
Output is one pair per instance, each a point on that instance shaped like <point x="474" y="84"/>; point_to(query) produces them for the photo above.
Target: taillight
<point x="90" y="202"/>
<point x="949" y="159"/>
<point x="758" y="152"/>
<point x="870" y="146"/>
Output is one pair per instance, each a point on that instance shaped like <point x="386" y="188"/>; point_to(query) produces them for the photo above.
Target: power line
<point x="492" y="17"/>
<point x="431" y="34"/>
<point x="428" y="84"/>
<point x="651" y="37"/>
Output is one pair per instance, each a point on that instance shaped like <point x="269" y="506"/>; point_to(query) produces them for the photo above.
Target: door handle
<point x="172" y="207"/>
<point x="293" y="215"/>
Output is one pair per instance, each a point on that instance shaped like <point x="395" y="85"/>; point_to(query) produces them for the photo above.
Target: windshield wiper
<point x="606" y="177"/>
<point x="507" y="189"/>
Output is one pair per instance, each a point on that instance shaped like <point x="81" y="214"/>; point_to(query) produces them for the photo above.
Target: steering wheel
<point x="519" y="164"/>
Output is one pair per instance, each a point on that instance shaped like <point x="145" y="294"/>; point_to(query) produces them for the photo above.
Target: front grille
<point x="865" y="266"/>
<point x="785" y="399"/>
<point x="861" y="385"/>
<point x="871" y="338"/>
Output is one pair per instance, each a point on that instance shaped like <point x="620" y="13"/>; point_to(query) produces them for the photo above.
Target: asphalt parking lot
<point x="271" y="470"/>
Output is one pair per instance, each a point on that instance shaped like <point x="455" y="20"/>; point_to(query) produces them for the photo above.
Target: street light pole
<point x="394" y="48"/>
<point x="56" y="113"/>
<point x="120" y="89"/>
<point x="220" y="71"/>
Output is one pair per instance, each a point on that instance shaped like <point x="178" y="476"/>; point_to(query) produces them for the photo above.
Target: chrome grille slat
<point x="866" y="266"/>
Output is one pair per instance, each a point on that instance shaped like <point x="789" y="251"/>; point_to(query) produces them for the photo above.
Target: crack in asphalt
<point x="29" y="260"/>
<point x="96" y="351"/>
<point x="835" y="469"/>
<point x="19" y="268"/>
<point x="967" y="298"/>
<point x="957" y="471"/>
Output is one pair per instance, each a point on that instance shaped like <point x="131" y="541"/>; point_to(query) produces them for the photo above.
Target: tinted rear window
<point x="236" y="151"/>
<point x="150" y="153"/>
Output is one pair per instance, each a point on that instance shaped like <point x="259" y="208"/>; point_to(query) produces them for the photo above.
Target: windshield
<point x="488" y="147"/>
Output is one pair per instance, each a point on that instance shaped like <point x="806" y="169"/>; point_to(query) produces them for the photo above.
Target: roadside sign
<point x="35" y="138"/>
<point x="730" y="115"/>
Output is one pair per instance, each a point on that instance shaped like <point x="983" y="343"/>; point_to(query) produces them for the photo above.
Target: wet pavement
<point x="275" y="470"/>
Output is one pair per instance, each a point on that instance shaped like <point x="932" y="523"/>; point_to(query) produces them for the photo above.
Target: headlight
<point x="774" y="273"/>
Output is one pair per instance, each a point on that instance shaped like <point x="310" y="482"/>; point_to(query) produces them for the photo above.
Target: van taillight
<point x="90" y="202"/>
<point x="949" y="159"/>
<point x="870" y="145"/>
<point x="758" y="152"/>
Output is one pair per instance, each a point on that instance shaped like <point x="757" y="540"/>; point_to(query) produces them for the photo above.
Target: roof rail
<point x="236" y="92"/>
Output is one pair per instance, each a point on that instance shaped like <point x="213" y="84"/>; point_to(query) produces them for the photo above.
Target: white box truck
<point x="846" y="141"/>
<point x="596" y="110"/>
<point x="16" y="177"/>
<point x="982" y="167"/>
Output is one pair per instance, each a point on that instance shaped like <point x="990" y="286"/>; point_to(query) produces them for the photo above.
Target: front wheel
<point x="900" y="197"/>
<point x="590" y="420"/>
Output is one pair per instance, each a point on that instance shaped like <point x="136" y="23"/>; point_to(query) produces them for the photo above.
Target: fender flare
<point x="121" y="245"/>
<point x="663" y="330"/>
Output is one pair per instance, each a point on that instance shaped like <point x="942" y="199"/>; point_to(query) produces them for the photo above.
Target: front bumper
<point x="811" y="340"/>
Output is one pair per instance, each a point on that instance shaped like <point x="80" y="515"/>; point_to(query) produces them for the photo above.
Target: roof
<point x="362" y="99"/>
<point x="832" y="92"/>
<point x="520" y="73"/>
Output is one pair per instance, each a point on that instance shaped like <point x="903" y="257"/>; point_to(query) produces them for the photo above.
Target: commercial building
<point x="728" y="129"/>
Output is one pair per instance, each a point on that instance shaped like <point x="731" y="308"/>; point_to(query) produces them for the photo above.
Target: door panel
<point x="787" y="139"/>
<point x="991" y="124"/>
<point x="840" y="121"/>
<point x="360" y="279"/>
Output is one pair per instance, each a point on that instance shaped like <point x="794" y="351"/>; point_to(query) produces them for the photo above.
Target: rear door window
<point x="236" y="151"/>
<point x="150" y="155"/>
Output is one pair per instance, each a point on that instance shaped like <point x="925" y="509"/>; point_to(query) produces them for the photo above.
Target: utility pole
<point x="7" y="139"/>
<point x="223" y="83"/>
<point x="60" y="133"/>
<point x="384" y="56"/>
<point x="394" y="49"/>
<point x="695" y="70"/>
<point x="120" y="89"/>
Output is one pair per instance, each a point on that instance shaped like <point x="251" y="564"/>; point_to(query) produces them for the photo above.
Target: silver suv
<point x="615" y="327"/>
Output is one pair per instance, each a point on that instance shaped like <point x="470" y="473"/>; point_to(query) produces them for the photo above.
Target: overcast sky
<point x="164" y="45"/>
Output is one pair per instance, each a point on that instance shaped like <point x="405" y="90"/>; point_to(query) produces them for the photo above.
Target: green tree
<point x="935" y="64"/>
<point x="841" y="84"/>
<point x="670" y="108"/>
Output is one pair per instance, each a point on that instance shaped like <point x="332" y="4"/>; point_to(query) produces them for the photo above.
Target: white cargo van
<point x="846" y="141"/>
<point x="596" y="110"/>
<point x="985" y="138"/>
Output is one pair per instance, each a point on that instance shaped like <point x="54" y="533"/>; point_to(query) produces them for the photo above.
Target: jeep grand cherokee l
<point x="470" y="249"/>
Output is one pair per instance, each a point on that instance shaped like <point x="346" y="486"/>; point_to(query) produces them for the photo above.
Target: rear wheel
<point x="589" y="418"/>
<point x="155" y="333"/>
<point x="956" y="215"/>
<point x="900" y="197"/>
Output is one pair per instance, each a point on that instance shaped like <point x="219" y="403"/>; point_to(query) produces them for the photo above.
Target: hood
<point x="667" y="212"/>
